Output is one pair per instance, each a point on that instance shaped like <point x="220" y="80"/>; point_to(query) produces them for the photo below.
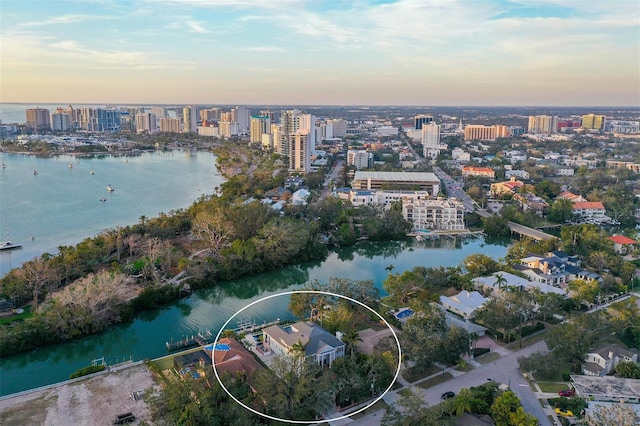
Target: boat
<point x="110" y="188"/>
<point x="103" y="199"/>
<point x="35" y="173"/>
<point x="124" y="160"/>
<point x="92" y="172"/>
<point x="70" y="166"/>
<point x="4" y="166"/>
<point x="8" y="245"/>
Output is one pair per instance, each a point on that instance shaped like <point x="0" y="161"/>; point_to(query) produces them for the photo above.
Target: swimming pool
<point x="404" y="314"/>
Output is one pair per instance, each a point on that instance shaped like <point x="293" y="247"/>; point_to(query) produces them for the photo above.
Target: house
<point x="590" y="211"/>
<point x="319" y="344"/>
<point x="531" y="202"/>
<point x="603" y="360"/>
<point x="500" y="280"/>
<point x="547" y="270"/>
<point x="277" y="194"/>
<point x="299" y="198"/>
<point x="229" y="356"/>
<point x="607" y="388"/>
<point x="508" y="187"/>
<point x="465" y="303"/>
<point x="522" y="174"/>
<point x="622" y="244"/>
<point x="6" y="308"/>
<point x="566" y="195"/>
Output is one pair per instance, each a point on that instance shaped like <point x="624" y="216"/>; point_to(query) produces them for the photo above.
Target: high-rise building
<point x="146" y="122"/>
<point x="299" y="153"/>
<point x="38" y="119"/>
<point x="260" y="125"/>
<point x="170" y="125"/>
<point x="420" y="120"/>
<point x="100" y="119"/>
<point x="189" y="119"/>
<point x="159" y="112"/>
<point x="228" y="128"/>
<point x="542" y="124"/>
<point x="240" y="115"/>
<point x="60" y="120"/>
<point x="431" y="140"/>
<point x="336" y="128"/>
<point x="593" y="121"/>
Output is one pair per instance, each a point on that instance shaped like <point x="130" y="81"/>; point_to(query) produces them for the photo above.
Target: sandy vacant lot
<point x="94" y="401"/>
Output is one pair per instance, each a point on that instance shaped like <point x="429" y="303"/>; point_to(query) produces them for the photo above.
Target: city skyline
<point x="383" y="52"/>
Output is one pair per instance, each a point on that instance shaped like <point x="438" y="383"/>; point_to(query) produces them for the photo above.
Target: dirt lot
<point x="95" y="401"/>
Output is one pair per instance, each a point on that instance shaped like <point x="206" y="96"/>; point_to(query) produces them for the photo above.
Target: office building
<point x="479" y="132"/>
<point x="431" y="140"/>
<point x="335" y="128"/>
<point x="189" y="119"/>
<point x="38" y="119"/>
<point x="420" y="120"/>
<point x="397" y="180"/>
<point x="593" y="122"/>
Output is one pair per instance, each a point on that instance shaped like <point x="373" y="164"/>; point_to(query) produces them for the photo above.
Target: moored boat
<point x="8" y="245"/>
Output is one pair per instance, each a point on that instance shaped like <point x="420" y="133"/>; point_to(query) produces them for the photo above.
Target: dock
<point x="201" y="339"/>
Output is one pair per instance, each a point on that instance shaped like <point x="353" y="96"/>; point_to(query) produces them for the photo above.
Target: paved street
<point x="331" y="177"/>
<point x="504" y="370"/>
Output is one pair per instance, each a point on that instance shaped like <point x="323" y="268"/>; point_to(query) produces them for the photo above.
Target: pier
<point x="200" y="339"/>
<point x="247" y="325"/>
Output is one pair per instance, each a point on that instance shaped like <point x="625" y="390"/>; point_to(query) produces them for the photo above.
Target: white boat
<point x="92" y="172"/>
<point x="8" y="245"/>
<point x="4" y="166"/>
<point x="110" y="188"/>
<point x="70" y="166"/>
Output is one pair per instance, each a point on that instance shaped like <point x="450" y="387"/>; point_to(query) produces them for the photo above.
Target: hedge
<point x="87" y="370"/>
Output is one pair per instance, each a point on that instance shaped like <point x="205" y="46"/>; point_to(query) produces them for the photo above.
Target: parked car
<point x="448" y="395"/>
<point x="567" y="392"/>
<point x="567" y="413"/>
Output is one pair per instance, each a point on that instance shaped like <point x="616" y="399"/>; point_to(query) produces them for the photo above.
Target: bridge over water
<point x="534" y="234"/>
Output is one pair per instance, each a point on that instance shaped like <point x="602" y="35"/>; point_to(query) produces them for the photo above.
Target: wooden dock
<point x="201" y="339"/>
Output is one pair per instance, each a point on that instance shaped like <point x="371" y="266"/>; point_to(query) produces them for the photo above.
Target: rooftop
<point x="608" y="386"/>
<point x="397" y="176"/>
<point x="621" y="239"/>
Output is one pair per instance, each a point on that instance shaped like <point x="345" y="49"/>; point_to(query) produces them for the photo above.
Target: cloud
<point x="263" y="49"/>
<point x="66" y="19"/>
<point x="187" y="23"/>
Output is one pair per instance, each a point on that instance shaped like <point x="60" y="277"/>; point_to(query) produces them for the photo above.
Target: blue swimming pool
<point x="404" y="314"/>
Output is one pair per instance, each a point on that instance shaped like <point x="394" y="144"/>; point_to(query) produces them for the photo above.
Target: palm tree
<point x="501" y="281"/>
<point x="463" y="402"/>
<point x="473" y="337"/>
<point x="350" y="340"/>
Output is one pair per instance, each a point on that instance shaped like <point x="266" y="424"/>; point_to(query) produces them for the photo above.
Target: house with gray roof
<point x="510" y="281"/>
<point x="317" y="343"/>
<point x="604" y="359"/>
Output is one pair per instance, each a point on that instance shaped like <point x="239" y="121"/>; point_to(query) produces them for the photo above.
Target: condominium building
<point x="146" y="122"/>
<point x="38" y="119"/>
<point x="335" y="128"/>
<point x="431" y="140"/>
<point x="61" y="120"/>
<point x="543" y="124"/>
<point x="434" y="214"/>
<point x="260" y="125"/>
<point x="189" y="119"/>
<point x="241" y="115"/>
<point x="360" y="159"/>
<point x="228" y="128"/>
<point x="159" y="112"/>
<point x="397" y="180"/>
<point x="634" y="167"/>
<point x="99" y="119"/>
<point x="170" y="125"/>
<point x="366" y="197"/>
<point x="299" y="153"/>
<point x="619" y="126"/>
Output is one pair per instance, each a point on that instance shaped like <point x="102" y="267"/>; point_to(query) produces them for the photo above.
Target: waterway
<point x="61" y="204"/>
<point x="146" y="336"/>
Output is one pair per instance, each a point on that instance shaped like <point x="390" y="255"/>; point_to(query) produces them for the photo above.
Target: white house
<point x="495" y="284"/>
<point x="603" y="360"/>
<point x="319" y="344"/>
<point x="465" y="303"/>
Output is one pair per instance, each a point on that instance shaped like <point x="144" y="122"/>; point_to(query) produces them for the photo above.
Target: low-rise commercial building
<point x="418" y="181"/>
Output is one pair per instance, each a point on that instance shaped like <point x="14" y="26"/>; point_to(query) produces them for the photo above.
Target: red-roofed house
<point x="231" y="357"/>
<point x="478" y="171"/>
<point x="590" y="211"/>
<point x="622" y="244"/>
<point x="508" y="187"/>
<point x="571" y="197"/>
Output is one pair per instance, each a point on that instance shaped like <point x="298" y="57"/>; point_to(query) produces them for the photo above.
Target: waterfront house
<point x="231" y="357"/>
<point x="465" y="303"/>
<point x="317" y="343"/>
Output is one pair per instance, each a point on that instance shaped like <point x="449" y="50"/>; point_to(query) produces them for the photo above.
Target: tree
<point x="613" y="415"/>
<point x="400" y="286"/>
<point x="463" y="402"/>
<point x="495" y="225"/>
<point x="584" y="291"/>
<point x="478" y="265"/>
<point x="412" y="410"/>
<point x="628" y="369"/>
<point x="561" y="210"/>
<point x="507" y="411"/>
<point x="37" y="273"/>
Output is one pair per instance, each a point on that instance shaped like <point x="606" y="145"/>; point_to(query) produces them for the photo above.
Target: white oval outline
<point x="306" y="422"/>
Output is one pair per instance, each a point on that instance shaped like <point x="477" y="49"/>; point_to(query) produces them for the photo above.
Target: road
<point x="504" y="370"/>
<point x="331" y="177"/>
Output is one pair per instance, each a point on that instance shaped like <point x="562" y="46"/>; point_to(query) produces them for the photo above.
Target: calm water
<point x="60" y="206"/>
<point x="209" y="309"/>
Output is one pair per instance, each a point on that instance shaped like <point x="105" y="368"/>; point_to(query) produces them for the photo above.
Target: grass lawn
<point x="530" y="340"/>
<point x="375" y="407"/>
<point x="361" y="323"/>
<point x="435" y="381"/>
<point x="26" y="314"/>
<point x="488" y="357"/>
<point x="552" y="387"/>
<point x="412" y="374"/>
<point x="166" y="362"/>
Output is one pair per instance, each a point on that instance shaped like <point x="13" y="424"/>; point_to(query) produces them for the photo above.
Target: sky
<point x="312" y="52"/>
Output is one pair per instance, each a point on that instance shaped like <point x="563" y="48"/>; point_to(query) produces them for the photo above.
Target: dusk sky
<point x="340" y="52"/>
